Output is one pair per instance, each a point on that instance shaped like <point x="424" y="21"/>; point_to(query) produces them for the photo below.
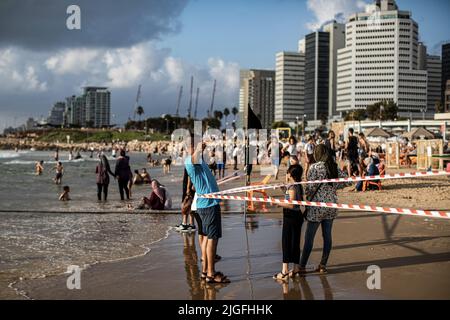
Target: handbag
<point x="310" y="198"/>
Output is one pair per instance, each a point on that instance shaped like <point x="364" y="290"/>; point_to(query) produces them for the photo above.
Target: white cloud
<point x="174" y="69"/>
<point x="75" y="61"/>
<point x="326" y="10"/>
<point x="227" y="76"/>
<point x="18" y="74"/>
<point x="52" y="76"/>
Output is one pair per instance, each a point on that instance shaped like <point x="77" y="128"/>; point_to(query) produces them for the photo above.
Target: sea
<point x="41" y="236"/>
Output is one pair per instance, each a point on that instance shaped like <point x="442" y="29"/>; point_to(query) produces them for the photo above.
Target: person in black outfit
<point x="330" y="143"/>
<point x="292" y="226"/>
<point x="123" y="174"/>
<point x="352" y="153"/>
<point x="102" y="172"/>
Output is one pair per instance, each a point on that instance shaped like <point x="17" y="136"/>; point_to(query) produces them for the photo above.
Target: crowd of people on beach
<point x="314" y="157"/>
<point x="159" y="198"/>
<point x="322" y="158"/>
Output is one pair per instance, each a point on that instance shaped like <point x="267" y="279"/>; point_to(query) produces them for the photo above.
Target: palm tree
<point x="234" y="111"/>
<point x="226" y="113"/>
<point x="140" y="112"/>
<point x="218" y="115"/>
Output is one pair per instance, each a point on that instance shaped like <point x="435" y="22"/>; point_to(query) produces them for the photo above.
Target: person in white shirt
<point x="309" y="152"/>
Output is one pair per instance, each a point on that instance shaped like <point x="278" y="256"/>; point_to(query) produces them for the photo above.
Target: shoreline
<point x="406" y="249"/>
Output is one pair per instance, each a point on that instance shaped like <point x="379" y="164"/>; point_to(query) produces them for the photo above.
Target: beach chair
<point x="263" y="182"/>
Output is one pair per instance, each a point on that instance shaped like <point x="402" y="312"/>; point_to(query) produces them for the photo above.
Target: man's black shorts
<point x="211" y="221"/>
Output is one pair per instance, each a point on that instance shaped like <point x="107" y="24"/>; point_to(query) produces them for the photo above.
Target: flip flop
<point x="284" y="276"/>
<point x="213" y="279"/>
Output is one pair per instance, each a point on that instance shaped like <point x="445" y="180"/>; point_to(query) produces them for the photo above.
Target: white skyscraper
<point x="98" y="106"/>
<point x="380" y="61"/>
<point x="289" y="86"/>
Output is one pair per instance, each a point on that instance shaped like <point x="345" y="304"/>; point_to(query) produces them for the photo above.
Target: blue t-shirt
<point x="203" y="181"/>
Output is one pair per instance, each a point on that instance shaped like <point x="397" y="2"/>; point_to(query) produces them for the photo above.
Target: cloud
<point x="18" y="75"/>
<point x="30" y="82"/>
<point x="41" y="25"/>
<point x="326" y="11"/>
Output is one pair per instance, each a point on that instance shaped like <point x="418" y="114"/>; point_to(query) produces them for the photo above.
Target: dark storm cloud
<point x="41" y="24"/>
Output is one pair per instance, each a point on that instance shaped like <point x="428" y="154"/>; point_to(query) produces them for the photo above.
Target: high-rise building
<point x="337" y="41"/>
<point x="445" y="69"/>
<point x="98" y="106"/>
<point x="434" y="69"/>
<point x="30" y="124"/>
<point x="257" y="90"/>
<point x="289" y="86"/>
<point x="75" y="113"/>
<point x="56" y="116"/>
<point x="421" y="56"/>
<point x="317" y="68"/>
<point x="380" y="61"/>
<point x="446" y="104"/>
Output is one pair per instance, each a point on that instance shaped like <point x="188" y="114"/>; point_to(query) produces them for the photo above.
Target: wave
<point x="8" y="155"/>
<point x="45" y="162"/>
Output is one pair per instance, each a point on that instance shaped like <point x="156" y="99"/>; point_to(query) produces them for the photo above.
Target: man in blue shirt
<point x="209" y="211"/>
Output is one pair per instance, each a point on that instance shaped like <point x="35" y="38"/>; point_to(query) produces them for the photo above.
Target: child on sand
<point x="292" y="225"/>
<point x="65" y="195"/>
<point x="59" y="172"/>
<point x="39" y="167"/>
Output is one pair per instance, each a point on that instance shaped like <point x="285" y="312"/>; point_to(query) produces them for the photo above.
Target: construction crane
<point x="138" y="96"/>
<point x="177" y="113"/>
<point x="196" y="103"/>
<point x="212" y="99"/>
<point x="190" y="99"/>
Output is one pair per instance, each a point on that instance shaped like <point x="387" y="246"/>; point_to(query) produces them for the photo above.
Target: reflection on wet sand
<point x="198" y="288"/>
<point x="298" y="289"/>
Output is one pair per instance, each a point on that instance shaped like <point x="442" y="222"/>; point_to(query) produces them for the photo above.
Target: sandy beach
<point x="412" y="252"/>
<point x="413" y="255"/>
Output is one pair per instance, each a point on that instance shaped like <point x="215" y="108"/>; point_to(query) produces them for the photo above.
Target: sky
<point x="160" y="44"/>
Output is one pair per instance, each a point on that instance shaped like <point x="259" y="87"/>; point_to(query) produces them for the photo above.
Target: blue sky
<point x="251" y="32"/>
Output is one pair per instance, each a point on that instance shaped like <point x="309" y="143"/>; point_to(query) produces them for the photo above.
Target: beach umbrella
<point x="378" y="132"/>
<point x="418" y="133"/>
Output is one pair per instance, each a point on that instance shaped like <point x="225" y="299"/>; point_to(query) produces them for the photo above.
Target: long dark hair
<point x="321" y="155"/>
<point x="104" y="162"/>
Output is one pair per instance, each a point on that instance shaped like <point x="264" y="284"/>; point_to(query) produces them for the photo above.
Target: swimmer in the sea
<point x="166" y="165"/>
<point x="39" y="167"/>
<point x="59" y="172"/>
<point x="65" y="195"/>
<point x="137" y="179"/>
<point x="145" y="176"/>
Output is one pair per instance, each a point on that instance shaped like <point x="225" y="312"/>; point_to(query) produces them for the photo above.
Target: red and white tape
<point x="337" y="180"/>
<point x="235" y="175"/>
<point x="356" y="207"/>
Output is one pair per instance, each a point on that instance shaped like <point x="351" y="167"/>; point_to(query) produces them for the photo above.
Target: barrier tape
<point x="336" y="180"/>
<point x="355" y="207"/>
<point x="235" y="175"/>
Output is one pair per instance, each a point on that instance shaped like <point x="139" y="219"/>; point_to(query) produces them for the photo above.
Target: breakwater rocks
<point x="134" y="145"/>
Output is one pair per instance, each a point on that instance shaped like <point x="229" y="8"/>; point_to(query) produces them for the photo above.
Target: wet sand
<point x="413" y="254"/>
